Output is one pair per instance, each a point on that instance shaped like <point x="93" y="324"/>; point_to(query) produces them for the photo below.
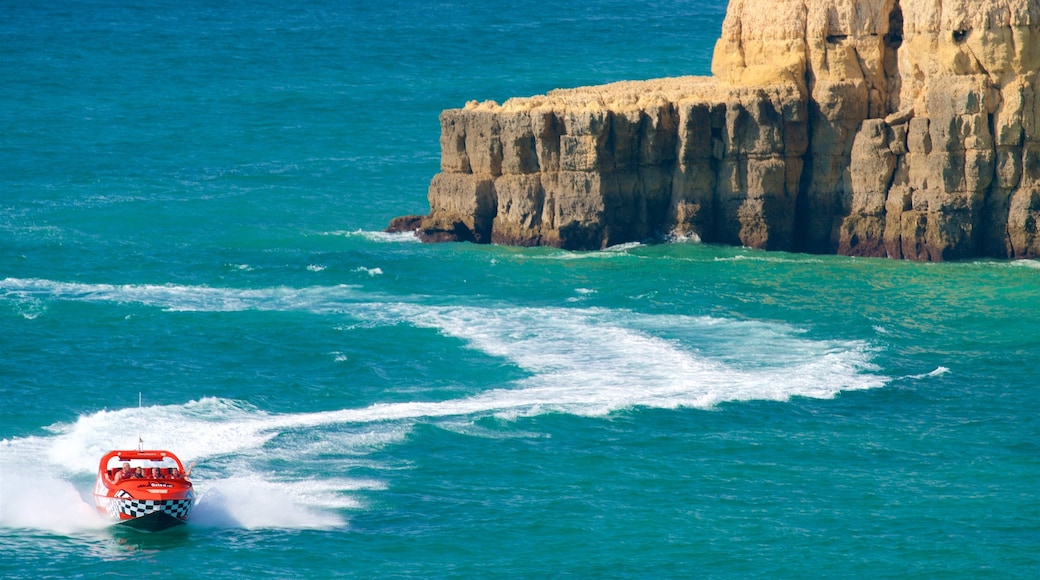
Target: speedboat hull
<point x="153" y="522"/>
<point x="153" y="502"/>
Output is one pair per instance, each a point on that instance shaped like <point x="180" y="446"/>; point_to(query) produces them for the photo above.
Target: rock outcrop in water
<point x="902" y="128"/>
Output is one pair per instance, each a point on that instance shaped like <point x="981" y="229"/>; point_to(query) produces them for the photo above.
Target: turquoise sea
<point x="192" y="195"/>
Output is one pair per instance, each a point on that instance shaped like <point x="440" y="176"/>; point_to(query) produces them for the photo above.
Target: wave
<point x="938" y="372"/>
<point x="769" y="258"/>
<point x="609" y="253"/>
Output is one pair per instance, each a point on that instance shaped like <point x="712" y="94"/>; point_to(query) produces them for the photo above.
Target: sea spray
<point x="34" y="500"/>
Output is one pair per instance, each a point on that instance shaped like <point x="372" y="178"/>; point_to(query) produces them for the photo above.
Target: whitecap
<point x="938" y="372"/>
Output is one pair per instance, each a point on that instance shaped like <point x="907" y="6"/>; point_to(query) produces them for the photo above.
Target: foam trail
<point x="232" y="439"/>
<point x="579" y="361"/>
<point x="594" y="361"/>
<point x="176" y="297"/>
<point x="529" y="336"/>
<point x="586" y="361"/>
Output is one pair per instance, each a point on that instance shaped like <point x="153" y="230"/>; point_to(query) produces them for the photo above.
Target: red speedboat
<point x="143" y="489"/>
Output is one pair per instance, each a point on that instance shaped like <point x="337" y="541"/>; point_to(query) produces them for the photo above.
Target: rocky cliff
<point x="902" y="128"/>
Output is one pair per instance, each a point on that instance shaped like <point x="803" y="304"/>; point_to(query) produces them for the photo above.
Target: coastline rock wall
<point x="902" y="128"/>
<point x="592" y="167"/>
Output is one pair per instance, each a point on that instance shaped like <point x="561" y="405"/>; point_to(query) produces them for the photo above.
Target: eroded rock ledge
<point x="901" y="128"/>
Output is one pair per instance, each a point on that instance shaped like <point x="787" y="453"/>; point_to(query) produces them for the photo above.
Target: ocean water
<point x="191" y="203"/>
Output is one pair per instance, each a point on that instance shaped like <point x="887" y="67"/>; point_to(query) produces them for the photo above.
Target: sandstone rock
<point x="906" y="128"/>
<point x="1024" y="223"/>
<point x="900" y="117"/>
<point x="463" y="210"/>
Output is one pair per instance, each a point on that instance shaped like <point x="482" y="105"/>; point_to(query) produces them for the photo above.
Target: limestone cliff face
<point x="906" y="128"/>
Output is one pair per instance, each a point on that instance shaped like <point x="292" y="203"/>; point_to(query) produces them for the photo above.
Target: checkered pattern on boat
<point x="135" y="508"/>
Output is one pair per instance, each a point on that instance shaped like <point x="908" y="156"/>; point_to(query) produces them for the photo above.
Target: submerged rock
<point x="901" y="128"/>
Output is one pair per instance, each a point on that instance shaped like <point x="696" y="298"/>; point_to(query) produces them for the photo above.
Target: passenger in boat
<point x="139" y="473"/>
<point x="176" y="474"/>
<point x="156" y="474"/>
<point x="123" y="473"/>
